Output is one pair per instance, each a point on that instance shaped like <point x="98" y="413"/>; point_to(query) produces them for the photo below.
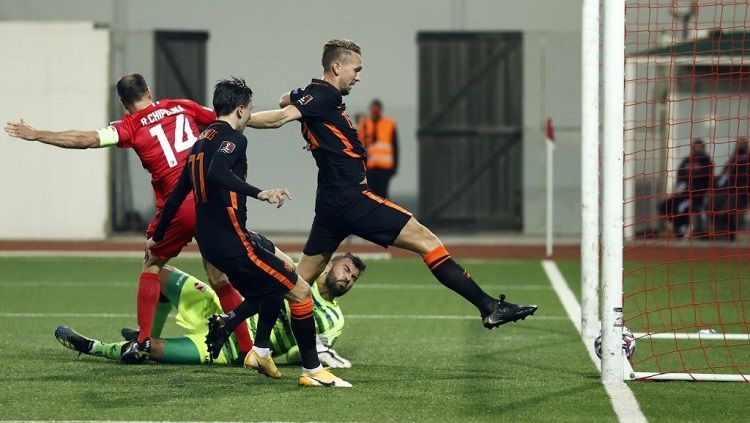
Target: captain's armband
<point x="108" y="136"/>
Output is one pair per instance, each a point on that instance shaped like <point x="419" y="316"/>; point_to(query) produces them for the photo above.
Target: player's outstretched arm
<point x="285" y="100"/>
<point x="63" y="139"/>
<point x="274" y="118"/>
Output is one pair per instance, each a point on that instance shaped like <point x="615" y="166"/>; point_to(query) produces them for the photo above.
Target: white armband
<point x="108" y="136"/>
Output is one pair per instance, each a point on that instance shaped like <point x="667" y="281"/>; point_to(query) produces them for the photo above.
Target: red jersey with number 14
<point x="162" y="135"/>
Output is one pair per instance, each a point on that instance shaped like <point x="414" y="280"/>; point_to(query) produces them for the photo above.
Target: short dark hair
<point x="230" y="94"/>
<point x="358" y="263"/>
<point x="131" y="88"/>
<point x="376" y="102"/>
<point x="336" y="50"/>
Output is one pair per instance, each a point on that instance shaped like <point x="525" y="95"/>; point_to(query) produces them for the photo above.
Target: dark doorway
<point x="180" y="65"/>
<point x="470" y="130"/>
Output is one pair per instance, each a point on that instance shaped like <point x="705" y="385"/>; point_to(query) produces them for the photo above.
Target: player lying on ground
<point x="335" y="281"/>
<point x="196" y="302"/>
<point x="161" y="134"/>
<point x="338" y="278"/>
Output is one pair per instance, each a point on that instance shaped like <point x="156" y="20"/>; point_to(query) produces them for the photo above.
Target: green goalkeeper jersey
<point x="329" y="323"/>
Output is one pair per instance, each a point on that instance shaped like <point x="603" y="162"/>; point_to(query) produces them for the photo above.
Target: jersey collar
<point x="220" y="122"/>
<point x="323" y="82"/>
<point x="316" y="294"/>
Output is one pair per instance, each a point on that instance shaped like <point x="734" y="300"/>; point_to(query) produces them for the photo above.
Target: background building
<point x="472" y="82"/>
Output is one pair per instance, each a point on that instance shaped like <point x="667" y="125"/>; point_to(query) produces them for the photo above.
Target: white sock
<point x="94" y="346"/>
<point x="315" y="370"/>
<point x="263" y="352"/>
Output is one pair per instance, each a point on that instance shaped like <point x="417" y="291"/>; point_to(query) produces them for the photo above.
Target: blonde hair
<point x="336" y="49"/>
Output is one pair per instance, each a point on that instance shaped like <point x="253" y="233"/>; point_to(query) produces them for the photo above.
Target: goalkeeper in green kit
<point x="338" y="278"/>
<point x="195" y="302"/>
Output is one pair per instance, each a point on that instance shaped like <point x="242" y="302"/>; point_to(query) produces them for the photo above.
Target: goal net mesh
<point x="686" y="281"/>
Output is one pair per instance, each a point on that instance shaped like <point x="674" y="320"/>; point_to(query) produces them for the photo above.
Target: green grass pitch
<point x="419" y="353"/>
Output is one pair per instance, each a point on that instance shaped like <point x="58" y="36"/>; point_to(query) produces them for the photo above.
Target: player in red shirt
<point x="161" y="133"/>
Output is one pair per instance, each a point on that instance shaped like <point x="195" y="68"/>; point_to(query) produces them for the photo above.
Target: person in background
<point x="380" y="138"/>
<point x="694" y="182"/>
<point x="730" y="203"/>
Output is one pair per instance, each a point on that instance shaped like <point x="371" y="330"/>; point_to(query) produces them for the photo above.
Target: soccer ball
<point x="628" y="343"/>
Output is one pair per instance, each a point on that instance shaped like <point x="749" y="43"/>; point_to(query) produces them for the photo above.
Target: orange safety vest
<point x="377" y="138"/>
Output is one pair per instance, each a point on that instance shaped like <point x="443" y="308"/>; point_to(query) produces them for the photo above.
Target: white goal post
<point x="612" y="190"/>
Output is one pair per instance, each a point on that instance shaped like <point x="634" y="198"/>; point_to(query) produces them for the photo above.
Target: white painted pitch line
<point x="348" y="316"/>
<point x="139" y="254"/>
<point x="433" y="317"/>
<point x="505" y="262"/>
<point x="84" y="254"/>
<point x="436" y="286"/>
<point x="364" y="285"/>
<point x="103" y="284"/>
<point x="85" y="315"/>
<point x="623" y="401"/>
<point x="126" y="421"/>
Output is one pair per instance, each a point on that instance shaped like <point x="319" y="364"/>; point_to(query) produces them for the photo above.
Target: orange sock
<point x="303" y="328"/>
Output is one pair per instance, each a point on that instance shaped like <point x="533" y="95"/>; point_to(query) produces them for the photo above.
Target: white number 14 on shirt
<point x="183" y="138"/>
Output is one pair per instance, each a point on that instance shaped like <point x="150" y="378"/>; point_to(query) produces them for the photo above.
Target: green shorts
<point x="196" y="302"/>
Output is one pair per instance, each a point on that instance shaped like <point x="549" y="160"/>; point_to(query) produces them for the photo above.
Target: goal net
<point x="686" y="279"/>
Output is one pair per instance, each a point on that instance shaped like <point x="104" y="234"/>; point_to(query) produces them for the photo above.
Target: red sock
<point x="148" y="297"/>
<point x="230" y="299"/>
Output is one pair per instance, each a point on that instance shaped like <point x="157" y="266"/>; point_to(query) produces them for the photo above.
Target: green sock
<point x="180" y="351"/>
<point x="160" y="317"/>
<point x="112" y="351"/>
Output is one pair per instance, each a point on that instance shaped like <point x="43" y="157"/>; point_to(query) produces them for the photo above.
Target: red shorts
<point x="180" y="231"/>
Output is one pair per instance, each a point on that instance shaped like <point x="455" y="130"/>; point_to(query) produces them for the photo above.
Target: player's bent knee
<point x="218" y="281"/>
<point x="216" y="278"/>
<point x="430" y="240"/>
<point x="417" y="238"/>
<point x="310" y="267"/>
<point x="300" y="292"/>
<point x="284" y="257"/>
<point x="154" y="264"/>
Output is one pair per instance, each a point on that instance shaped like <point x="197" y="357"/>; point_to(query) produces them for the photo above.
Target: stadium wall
<point x="277" y="46"/>
<point x="50" y="192"/>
